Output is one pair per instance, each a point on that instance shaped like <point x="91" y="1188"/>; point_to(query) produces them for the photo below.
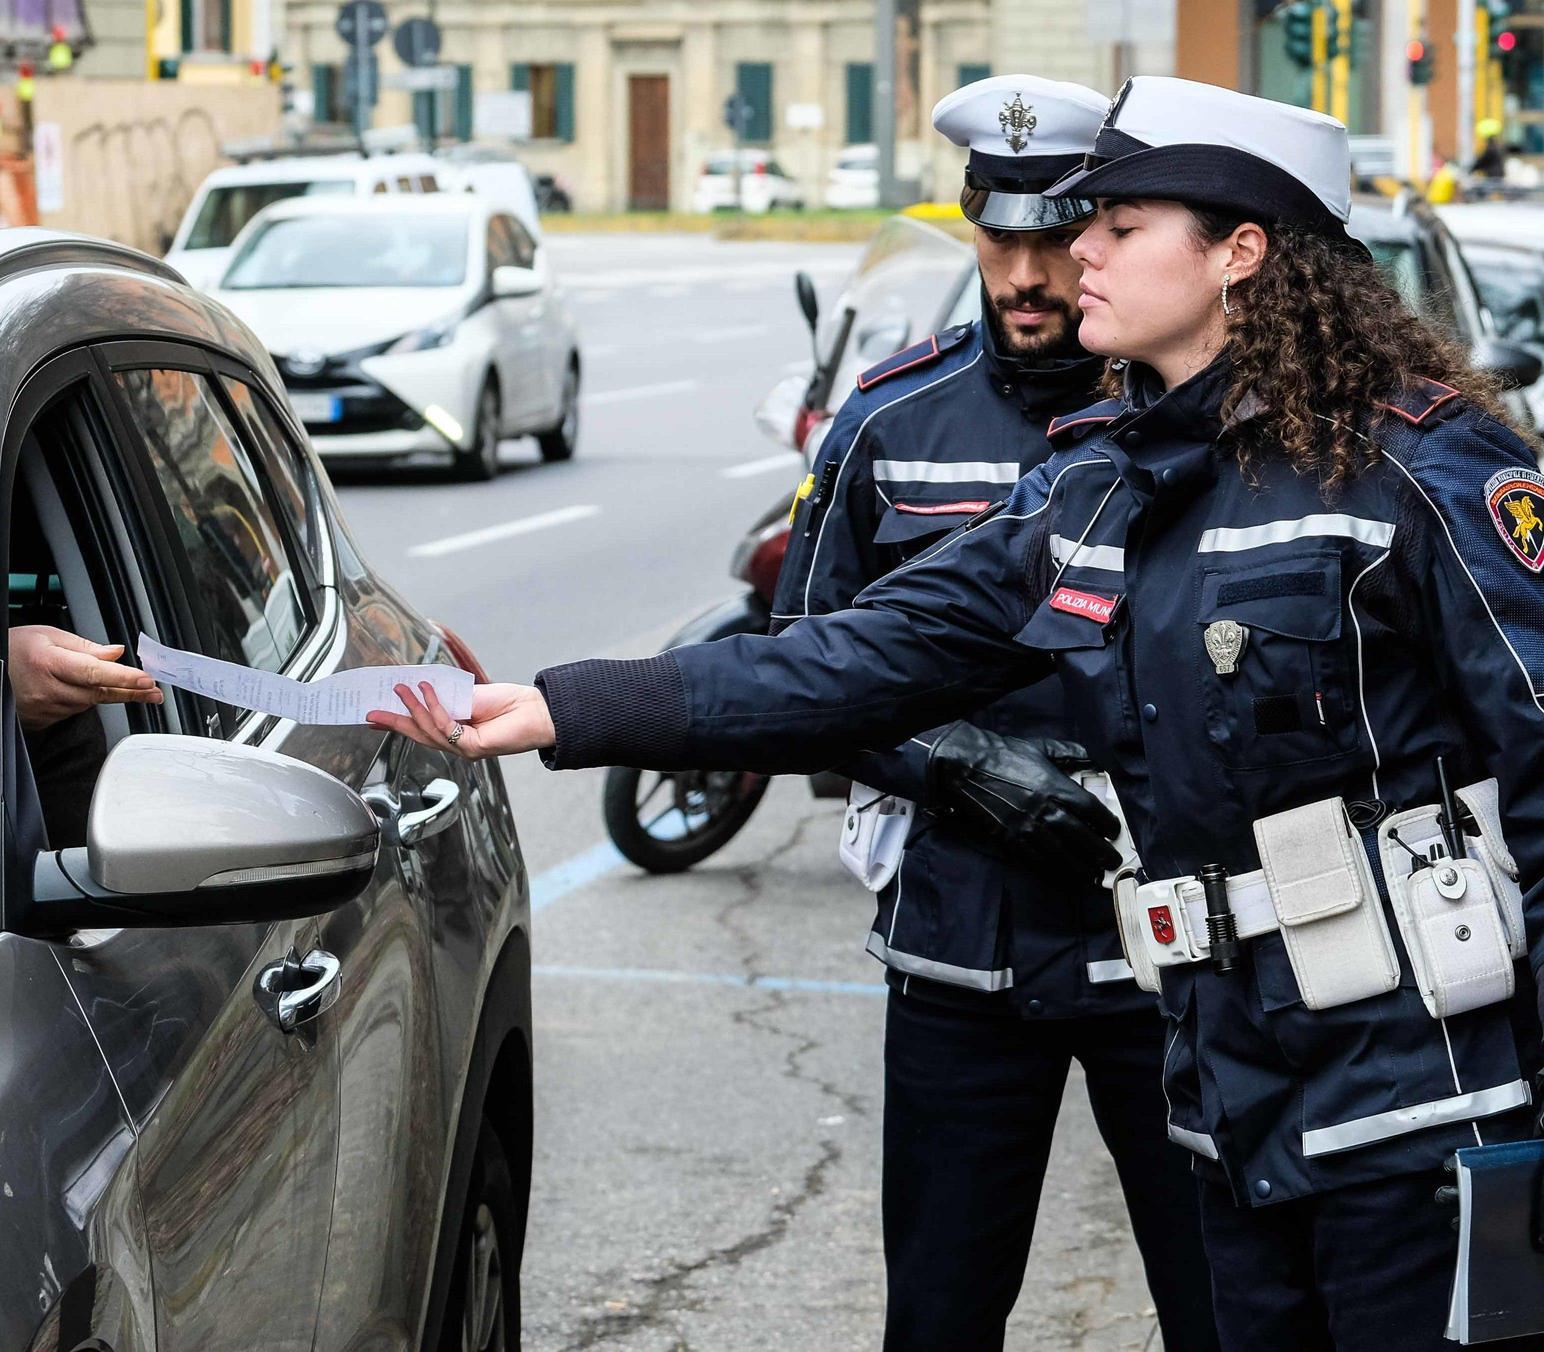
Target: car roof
<point x="1516" y="223"/>
<point x="1376" y="219"/>
<point x="304" y="168"/>
<point x="381" y="204"/>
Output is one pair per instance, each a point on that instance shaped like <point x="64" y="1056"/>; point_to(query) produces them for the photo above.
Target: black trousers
<point x="1366" y="1268"/>
<point x="970" y="1106"/>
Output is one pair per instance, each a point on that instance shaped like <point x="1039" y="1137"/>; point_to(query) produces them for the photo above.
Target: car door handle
<point x="298" y="990"/>
<point x="441" y="806"/>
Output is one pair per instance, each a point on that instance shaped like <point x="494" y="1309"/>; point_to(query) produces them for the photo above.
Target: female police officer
<point x="1285" y="576"/>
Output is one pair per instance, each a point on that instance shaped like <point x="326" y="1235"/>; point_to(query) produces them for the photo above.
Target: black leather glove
<point x="1016" y="794"/>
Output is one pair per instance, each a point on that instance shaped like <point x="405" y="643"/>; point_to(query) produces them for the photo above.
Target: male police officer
<point x="1003" y="960"/>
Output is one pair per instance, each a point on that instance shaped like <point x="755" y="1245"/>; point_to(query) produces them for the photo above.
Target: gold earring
<point x="1227" y="281"/>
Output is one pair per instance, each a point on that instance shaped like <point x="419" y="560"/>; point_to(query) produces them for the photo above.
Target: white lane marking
<point x="641" y="391"/>
<point x="726" y="334"/>
<point x="506" y="530"/>
<point x="785" y="460"/>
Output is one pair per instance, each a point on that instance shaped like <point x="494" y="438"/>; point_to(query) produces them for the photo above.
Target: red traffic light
<point x="1506" y="41"/>
<point x="1415" y="50"/>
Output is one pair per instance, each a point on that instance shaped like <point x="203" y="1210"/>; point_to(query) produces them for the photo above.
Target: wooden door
<point x="648" y="123"/>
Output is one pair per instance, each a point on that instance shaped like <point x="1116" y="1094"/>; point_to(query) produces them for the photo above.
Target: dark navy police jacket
<point x="1402" y="619"/>
<point x="932" y="436"/>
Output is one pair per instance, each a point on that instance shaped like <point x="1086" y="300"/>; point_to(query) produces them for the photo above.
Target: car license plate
<point x="317" y="408"/>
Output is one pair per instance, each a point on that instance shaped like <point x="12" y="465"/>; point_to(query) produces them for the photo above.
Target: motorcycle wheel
<point x="666" y="822"/>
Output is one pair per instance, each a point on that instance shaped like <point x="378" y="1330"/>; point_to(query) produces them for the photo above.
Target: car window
<point x="501" y="244"/>
<point x="428" y="183"/>
<point x="226" y="210"/>
<point x="404" y="183"/>
<point x="295" y="491"/>
<point x="521" y="243"/>
<point x="219" y="517"/>
<point x="352" y="249"/>
<point x="1511" y="283"/>
<point x="1400" y="264"/>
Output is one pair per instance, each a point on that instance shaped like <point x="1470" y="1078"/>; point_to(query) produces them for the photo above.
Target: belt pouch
<point x="1450" y="919"/>
<point x="1130" y="923"/>
<point x="874" y="831"/>
<point x="1490" y="849"/>
<point x="1327" y="902"/>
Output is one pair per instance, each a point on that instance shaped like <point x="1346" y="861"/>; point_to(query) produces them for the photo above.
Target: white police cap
<point x="1178" y="140"/>
<point x="1023" y="133"/>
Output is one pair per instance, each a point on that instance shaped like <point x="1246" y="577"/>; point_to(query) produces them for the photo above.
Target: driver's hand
<point x="505" y="720"/>
<point x="56" y="674"/>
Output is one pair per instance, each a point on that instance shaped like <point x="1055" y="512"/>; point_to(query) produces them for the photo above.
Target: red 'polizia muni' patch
<point x="1162" y="922"/>
<point x="1086" y="604"/>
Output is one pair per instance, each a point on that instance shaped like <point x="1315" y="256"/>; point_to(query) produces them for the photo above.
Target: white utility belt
<point x="1461" y="919"/>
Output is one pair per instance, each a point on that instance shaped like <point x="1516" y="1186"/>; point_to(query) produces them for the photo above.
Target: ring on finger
<point x="454" y="735"/>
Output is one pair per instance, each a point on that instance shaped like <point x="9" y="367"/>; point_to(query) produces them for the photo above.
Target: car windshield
<point x="1511" y="283"/>
<point x="352" y="250"/>
<point x="227" y="210"/>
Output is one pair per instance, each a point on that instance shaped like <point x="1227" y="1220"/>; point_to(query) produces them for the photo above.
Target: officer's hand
<point x="505" y="719"/>
<point x="56" y="674"/>
<point x="1016" y="794"/>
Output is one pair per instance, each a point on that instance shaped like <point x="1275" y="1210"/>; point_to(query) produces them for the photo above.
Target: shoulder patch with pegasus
<point x="915" y="357"/>
<point x="1423" y="402"/>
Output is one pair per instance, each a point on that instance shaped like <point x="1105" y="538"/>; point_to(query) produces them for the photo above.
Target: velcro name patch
<point x="1100" y="609"/>
<point x="1515" y="498"/>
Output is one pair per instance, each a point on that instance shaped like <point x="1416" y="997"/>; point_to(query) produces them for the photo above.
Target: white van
<point x="232" y="196"/>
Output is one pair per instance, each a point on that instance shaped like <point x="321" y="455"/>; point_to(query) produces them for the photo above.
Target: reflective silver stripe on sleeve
<point x="1110" y="969"/>
<point x="1197" y="1142"/>
<point x="1111" y="558"/>
<point x="942" y="472"/>
<point x="1362" y="1131"/>
<point x="971" y="977"/>
<point x="1230" y="539"/>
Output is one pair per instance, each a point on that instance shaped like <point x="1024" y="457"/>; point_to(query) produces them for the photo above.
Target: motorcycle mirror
<point x="809" y="303"/>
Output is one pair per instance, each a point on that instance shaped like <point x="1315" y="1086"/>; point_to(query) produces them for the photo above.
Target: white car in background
<point x="763" y="184"/>
<point x="854" y="179"/>
<point x="231" y="196"/>
<point x="409" y="327"/>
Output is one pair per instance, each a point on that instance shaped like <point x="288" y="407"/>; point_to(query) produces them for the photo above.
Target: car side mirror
<point x="189" y="831"/>
<point x="1515" y="367"/>
<point x="510" y="281"/>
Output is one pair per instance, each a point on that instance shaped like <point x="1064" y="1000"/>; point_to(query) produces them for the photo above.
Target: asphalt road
<point x="708" y="1046"/>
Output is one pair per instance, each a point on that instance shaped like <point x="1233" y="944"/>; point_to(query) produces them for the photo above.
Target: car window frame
<point x="520" y="240"/>
<point x="161" y="546"/>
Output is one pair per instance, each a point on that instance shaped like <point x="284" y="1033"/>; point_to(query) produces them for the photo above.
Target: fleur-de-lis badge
<point x="1018" y="123"/>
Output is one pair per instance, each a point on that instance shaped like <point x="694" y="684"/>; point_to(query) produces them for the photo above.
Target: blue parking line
<point x="738" y="979"/>
<point x="584" y="868"/>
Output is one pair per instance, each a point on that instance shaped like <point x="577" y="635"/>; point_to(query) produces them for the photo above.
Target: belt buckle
<point x="1167" y="933"/>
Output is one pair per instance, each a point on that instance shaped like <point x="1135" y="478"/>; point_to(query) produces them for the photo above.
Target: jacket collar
<point x="1169" y="437"/>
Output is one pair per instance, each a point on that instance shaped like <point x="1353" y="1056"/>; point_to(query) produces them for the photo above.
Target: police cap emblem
<point x="1515" y="498"/>
<point x="1018" y="123"/>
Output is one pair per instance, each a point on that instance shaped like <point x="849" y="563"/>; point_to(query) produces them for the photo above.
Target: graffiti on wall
<point x="132" y="180"/>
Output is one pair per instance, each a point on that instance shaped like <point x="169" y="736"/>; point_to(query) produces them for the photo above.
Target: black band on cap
<point x="1203" y="175"/>
<point x="1017" y="173"/>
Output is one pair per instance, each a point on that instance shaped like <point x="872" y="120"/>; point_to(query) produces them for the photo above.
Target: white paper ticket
<point x="344" y="697"/>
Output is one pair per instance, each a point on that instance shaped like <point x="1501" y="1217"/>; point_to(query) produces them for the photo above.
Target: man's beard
<point x="1049" y="342"/>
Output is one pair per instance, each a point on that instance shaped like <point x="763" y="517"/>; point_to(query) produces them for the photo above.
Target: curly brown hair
<point x="1318" y="336"/>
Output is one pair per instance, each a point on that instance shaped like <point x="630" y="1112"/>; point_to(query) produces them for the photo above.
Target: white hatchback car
<point x="763" y="184"/>
<point x="854" y="179"/>
<point x="410" y="326"/>
<point x="231" y="196"/>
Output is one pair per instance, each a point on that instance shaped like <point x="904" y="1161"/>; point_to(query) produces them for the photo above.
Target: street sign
<point x="737" y="113"/>
<point x="417" y="42"/>
<point x="418" y="81"/>
<point x="361" y="76"/>
<point x="361" y="23"/>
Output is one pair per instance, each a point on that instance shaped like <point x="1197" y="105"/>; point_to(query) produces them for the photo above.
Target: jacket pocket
<point x="1289" y="696"/>
<point x="1091" y="660"/>
<point x="913" y="521"/>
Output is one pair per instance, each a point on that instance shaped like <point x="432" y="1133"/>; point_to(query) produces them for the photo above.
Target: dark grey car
<point x="265" y="1007"/>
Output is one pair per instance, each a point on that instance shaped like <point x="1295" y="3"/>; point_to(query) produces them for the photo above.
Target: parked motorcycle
<point x="667" y="821"/>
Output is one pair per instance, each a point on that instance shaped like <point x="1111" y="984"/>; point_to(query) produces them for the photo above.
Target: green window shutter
<point x="971" y="71"/>
<point x="324" y="93"/>
<point x="463" y="119"/>
<point x="753" y="80"/>
<point x="565" y="100"/>
<point x="520" y="77"/>
<point x="860" y="102"/>
<point x="423" y="113"/>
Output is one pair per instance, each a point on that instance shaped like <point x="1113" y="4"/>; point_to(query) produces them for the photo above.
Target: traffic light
<point x="1298" y="21"/>
<point x="1418" y="59"/>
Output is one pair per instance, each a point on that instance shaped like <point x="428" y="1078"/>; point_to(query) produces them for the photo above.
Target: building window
<point x="551" y="87"/>
<point x="971" y="71"/>
<point x="324" y="94"/>
<point x="463" y="114"/>
<point x="860" y="102"/>
<point x="206" y="25"/>
<point x="753" y="81"/>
